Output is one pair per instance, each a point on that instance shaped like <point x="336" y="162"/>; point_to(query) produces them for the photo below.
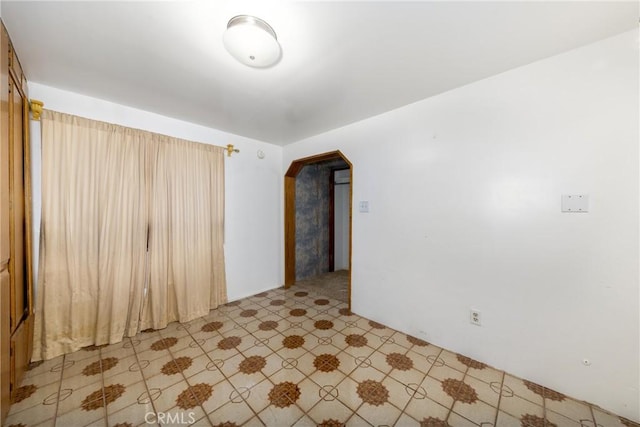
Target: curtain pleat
<point x="186" y="256"/>
<point x="106" y="191"/>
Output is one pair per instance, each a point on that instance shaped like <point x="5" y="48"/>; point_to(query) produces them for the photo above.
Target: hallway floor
<point x="280" y="358"/>
<point x="332" y="285"/>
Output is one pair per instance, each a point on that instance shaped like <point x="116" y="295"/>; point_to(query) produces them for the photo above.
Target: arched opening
<point x="290" y="213"/>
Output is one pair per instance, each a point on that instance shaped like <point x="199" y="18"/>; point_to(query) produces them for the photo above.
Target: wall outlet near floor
<point x="474" y="317"/>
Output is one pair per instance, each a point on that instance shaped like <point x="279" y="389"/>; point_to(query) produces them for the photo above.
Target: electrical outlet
<point x="474" y="317"/>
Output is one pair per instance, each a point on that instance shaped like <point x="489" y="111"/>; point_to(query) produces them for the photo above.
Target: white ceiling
<point x="342" y="61"/>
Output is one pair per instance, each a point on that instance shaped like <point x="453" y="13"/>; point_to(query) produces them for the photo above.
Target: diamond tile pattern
<point x="284" y="358"/>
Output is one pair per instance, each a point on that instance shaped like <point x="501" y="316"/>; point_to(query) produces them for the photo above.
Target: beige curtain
<point x="186" y="262"/>
<point x="100" y="206"/>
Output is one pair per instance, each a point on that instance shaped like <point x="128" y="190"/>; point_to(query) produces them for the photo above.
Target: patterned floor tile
<point x="73" y="368"/>
<point x="486" y="393"/>
<point x="75" y="398"/>
<point x="286" y="357"/>
<point x="257" y="397"/>
<point x="441" y="372"/>
<point x="30" y="395"/>
<point x="420" y="409"/>
<point x="288" y="373"/>
<point x="329" y="408"/>
<point x="221" y="394"/>
<point x="436" y="392"/>
<point x="347" y="393"/>
<point x="399" y="396"/>
<point x="520" y="389"/>
<point x="177" y="416"/>
<point x="403" y="369"/>
<point x="273" y="415"/>
<point x="456" y="420"/>
<point x="128" y="394"/>
<point x="365" y="372"/>
<point x="121" y="350"/>
<point x="237" y="413"/>
<point x="241" y="380"/>
<point x="380" y="414"/>
<point x="569" y="408"/>
<point x="175" y="329"/>
<point x="519" y="407"/>
<point x="80" y="417"/>
<point x="32" y="416"/>
<point x="162" y="381"/>
<point x="425" y="358"/>
<point x="42" y="367"/>
<point x="455" y="361"/>
<point x="607" y="419"/>
<point x="304" y="421"/>
<point x="506" y="420"/>
<point x="167" y="398"/>
<point x="477" y="412"/>
<point x="406" y="420"/>
<point x="43" y="379"/>
<point x="148" y="355"/>
<point x="560" y="420"/>
<point x="84" y="353"/>
<point x="310" y="393"/>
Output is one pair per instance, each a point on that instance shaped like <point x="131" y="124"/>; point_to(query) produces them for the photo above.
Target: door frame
<point x="290" y="213"/>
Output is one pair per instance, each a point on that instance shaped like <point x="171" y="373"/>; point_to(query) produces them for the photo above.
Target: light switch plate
<point x="575" y="203"/>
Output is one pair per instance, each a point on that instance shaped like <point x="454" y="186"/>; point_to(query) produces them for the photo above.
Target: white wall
<point x="464" y="191"/>
<point x="253" y="196"/>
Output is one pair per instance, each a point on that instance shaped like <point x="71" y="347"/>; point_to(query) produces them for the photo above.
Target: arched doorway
<point x="290" y="213"/>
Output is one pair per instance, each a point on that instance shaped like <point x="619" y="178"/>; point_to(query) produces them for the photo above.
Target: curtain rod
<point x="36" y="112"/>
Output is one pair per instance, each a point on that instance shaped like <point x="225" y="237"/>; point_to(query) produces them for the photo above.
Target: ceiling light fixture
<point x="252" y="41"/>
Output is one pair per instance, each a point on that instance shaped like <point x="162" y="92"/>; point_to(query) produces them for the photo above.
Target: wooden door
<point x="4" y="156"/>
<point x="17" y="262"/>
<point x="5" y="221"/>
<point x="17" y="215"/>
<point x="15" y="225"/>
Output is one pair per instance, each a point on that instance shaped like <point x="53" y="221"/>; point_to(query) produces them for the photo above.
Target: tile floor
<point x="282" y="358"/>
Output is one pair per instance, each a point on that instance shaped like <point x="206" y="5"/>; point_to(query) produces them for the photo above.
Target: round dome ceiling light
<point x="252" y="41"/>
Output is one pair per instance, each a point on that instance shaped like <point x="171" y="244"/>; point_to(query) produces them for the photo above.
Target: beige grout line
<point x="55" y="414"/>
<point x="223" y="374"/>
<point x="495" y="422"/>
<point x="265" y="306"/>
<point x="104" y="398"/>
<point x="144" y="379"/>
<point x="307" y="376"/>
<point x="173" y="359"/>
<point x="406" y="350"/>
<point x="305" y="413"/>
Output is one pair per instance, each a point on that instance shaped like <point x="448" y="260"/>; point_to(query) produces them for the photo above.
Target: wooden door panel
<point x="17" y="259"/>
<point x="15" y="294"/>
<point x="5" y="359"/>
<point x="4" y="153"/>
<point x="18" y="357"/>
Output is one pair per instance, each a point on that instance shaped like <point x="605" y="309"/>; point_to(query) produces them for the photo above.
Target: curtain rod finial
<point x="36" y="108"/>
<point x="230" y="150"/>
